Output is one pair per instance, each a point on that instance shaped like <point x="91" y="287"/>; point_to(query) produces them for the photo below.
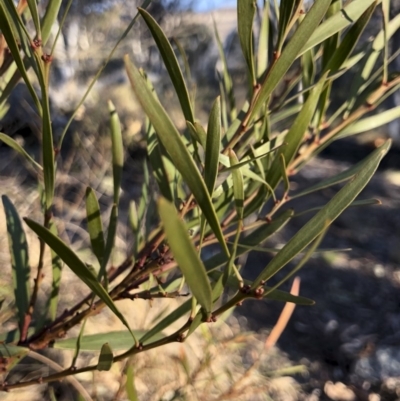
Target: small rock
<point x="339" y="392"/>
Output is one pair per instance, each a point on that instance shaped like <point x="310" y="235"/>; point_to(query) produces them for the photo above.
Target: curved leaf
<point x="171" y="63"/>
<point x="16" y="146"/>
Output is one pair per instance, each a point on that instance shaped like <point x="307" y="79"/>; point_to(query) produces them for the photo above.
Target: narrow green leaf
<point x="111" y="233"/>
<point x="201" y="133"/>
<point x="106" y="357"/>
<point x="263" y="41"/>
<point x="50" y="16"/>
<point x="185" y="254"/>
<point x="16" y="146"/>
<point x="341" y="20"/>
<point x="133" y="216"/>
<point x="78" y="342"/>
<point x="95" y="225"/>
<point x="385" y="15"/>
<point x="33" y="8"/>
<point x="56" y="268"/>
<point x="270" y="293"/>
<point x="18" y="248"/>
<point x="238" y="185"/>
<point x="286" y="10"/>
<point x="356" y="203"/>
<point x="284" y="173"/>
<point x="47" y="148"/>
<point x="77" y="266"/>
<point x="173" y="143"/>
<point x="308" y="70"/>
<point x="296" y="134"/>
<point x="118" y="340"/>
<point x="130" y="385"/>
<point x="213" y="146"/>
<point x="371" y="123"/>
<point x="305" y="258"/>
<point x="171" y="63"/>
<point x="337" y="179"/>
<point x="283" y="296"/>
<point x="330" y="212"/>
<point x="246" y="10"/>
<point x="157" y="156"/>
<point x="117" y="150"/>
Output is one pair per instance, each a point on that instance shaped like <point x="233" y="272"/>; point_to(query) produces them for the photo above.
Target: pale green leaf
<point x="185" y="254"/>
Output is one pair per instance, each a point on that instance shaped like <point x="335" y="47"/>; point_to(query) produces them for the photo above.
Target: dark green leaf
<point x="105" y="358"/>
<point x="171" y="63"/>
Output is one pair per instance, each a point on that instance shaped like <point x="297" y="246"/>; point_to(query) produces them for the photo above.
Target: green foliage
<point x="209" y="180"/>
